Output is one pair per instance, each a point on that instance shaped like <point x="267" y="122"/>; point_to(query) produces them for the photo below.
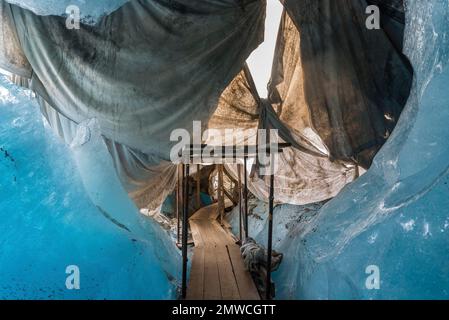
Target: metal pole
<point x="198" y="186"/>
<point x="245" y="195"/>
<point x="178" y="204"/>
<point x="220" y="192"/>
<point x="184" y="231"/>
<point x="239" y="167"/>
<point x="270" y="237"/>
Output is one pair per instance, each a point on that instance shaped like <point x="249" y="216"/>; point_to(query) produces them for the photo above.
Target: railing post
<point x="239" y="169"/>
<point x="220" y="190"/>
<point x="270" y="234"/>
<point x="184" y="230"/>
<point x="178" y="204"/>
<point x="198" y="186"/>
<point x="245" y="195"/>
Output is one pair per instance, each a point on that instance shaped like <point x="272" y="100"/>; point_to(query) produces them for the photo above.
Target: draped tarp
<point x="147" y="178"/>
<point x="336" y="93"/>
<point x="146" y="69"/>
<point x="305" y="174"/>
<point x="143" y="71"/>
<point x="238" y="110"/>
<point x="392" y="19"/>
<point x="335" y="77"/>
<point x="12" y="57"/>
<point x="153" y="66"/>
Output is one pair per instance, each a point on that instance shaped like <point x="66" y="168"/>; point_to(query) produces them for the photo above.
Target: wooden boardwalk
<point x="217" y="271"/>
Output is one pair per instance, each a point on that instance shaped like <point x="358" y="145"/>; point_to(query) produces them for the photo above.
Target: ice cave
<point x="96" y="95"/>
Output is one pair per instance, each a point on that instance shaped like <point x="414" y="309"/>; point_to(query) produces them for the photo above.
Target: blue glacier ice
<point x="58" y="209"/>
<point x="396" y="216"/>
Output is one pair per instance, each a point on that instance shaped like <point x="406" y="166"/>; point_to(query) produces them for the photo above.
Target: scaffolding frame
<point x="191" y="154"/>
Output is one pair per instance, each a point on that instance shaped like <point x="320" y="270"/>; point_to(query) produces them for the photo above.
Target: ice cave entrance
<point x="361" y="116"/>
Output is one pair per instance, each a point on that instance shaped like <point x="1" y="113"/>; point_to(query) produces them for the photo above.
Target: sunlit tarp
<point x="336" y="93"/>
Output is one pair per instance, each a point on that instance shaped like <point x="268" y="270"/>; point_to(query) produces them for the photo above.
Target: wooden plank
<point x="224" y="237"/>
<point x="212" y="237"/>
<point x="209" y="212"/>
<point x="245" y="283"/>
<point x="196" y="234"/>
<point x="202" y="227"/>
<point x="228" y="284"/>
<point x="217" y="270"/>
<point x="221" y="237"/>
<point x="196" y="283"/>
<point x="212" y="289"/>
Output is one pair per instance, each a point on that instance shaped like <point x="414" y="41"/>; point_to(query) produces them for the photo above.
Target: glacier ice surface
<point x="55" y="212"/>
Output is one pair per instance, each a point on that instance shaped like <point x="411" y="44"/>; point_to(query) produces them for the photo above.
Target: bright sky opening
<point x="261" y="60"/>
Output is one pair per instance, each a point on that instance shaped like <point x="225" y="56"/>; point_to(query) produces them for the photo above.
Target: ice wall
<point x="90" y="10"/>
<point x="395" y="217"/>
<point x="48" y="222"/>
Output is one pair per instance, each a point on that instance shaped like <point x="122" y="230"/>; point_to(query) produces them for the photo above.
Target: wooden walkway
<point x="217" y="271"/>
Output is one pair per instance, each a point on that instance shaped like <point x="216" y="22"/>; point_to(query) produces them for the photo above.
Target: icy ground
<point x="48" y="222"/>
